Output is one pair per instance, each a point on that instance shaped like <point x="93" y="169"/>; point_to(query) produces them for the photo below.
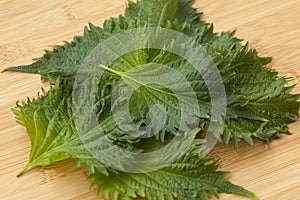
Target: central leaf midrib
<point x="124" y="75"/>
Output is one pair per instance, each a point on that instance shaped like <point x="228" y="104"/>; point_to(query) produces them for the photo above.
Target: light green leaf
<point x="50" y="126"/>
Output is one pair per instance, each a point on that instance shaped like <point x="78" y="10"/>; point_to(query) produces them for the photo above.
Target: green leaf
<point x="65" y="60"/>
<point x="262" y="105"/>
<point x="159" y="98"/>
<point x="154" y="12"/>
<point x="50" y="126"/>
<point x="62" y="125"/>
<point x="256" y="95"/>
<point x="49" y="122"/>
<point x="158" y="13"/>
<point x="59" y="130"/>
<point x="189" y="177"/>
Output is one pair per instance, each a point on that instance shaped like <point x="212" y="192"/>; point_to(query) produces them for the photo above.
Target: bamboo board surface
<point x="27" y="27"/>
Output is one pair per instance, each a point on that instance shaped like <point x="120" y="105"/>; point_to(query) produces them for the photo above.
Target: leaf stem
<point x="23" y="170"/>
<point x="112" y="70"/>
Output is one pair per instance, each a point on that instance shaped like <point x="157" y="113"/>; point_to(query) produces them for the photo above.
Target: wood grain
<point x="27" y="27"/>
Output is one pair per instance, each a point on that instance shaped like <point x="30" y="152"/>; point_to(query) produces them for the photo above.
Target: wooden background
<point x="27" y="27"/>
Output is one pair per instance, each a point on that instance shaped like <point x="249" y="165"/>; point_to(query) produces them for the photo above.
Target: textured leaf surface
<point x="258" y="105"/>
<point x="189" y="177"/>
<point x="49" y="122"/>
<point x="256" y="95"/>
<point x="50" y="126"/>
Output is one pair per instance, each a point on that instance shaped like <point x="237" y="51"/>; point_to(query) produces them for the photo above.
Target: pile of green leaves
<point x="259" y="105"/>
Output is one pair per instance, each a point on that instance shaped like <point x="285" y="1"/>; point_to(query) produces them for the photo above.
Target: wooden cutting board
<point x="27" y="27"/>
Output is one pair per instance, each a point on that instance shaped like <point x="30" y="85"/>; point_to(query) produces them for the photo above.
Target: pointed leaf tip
<point x="32" y="68"/>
